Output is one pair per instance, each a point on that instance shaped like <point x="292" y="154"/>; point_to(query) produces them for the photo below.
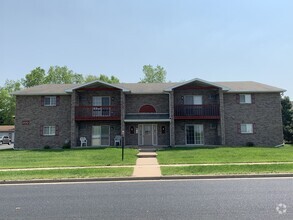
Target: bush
<point x="67" y="145"/>
<point x="249" y="144"/>
<point x="47" y="147"/>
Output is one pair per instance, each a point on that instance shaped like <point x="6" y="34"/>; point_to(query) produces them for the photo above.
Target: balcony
<point x="86" y="113"/>
<point x="197" y="112"/>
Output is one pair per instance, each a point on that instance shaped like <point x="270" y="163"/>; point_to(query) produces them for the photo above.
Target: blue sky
<point x="215" y="40"/>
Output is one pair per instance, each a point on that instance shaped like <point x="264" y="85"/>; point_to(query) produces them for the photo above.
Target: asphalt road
<point x="192" y="199"/>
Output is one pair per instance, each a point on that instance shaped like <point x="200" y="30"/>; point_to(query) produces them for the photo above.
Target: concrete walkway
<point x="147" y="165"/>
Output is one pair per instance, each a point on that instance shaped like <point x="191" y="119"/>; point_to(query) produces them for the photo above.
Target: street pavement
<point x="270" y="198"/>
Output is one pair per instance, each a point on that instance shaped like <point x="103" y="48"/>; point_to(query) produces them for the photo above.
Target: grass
<point x="65" y="158"/>
<point x="65" y="173"/>
<point x="200" y="155"/>
<point x="228" y="169"/>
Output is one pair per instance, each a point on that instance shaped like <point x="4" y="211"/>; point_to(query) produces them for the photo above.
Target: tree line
<point x="61" y="75"/>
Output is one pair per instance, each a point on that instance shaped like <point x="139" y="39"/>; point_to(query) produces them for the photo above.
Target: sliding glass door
<point x="194" y="134"/>
<point x="101" y="135"/>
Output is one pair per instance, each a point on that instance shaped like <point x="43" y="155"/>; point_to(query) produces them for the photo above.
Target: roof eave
<point x="199" y="80"/>
<point x="254" y="91"/>
<point x="93" y="82"/>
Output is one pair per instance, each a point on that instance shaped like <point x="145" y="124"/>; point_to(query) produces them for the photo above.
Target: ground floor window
<point x="101" y="135"/>
<point x="49" y="130"/>
<point x="246" y="128"/>
<point x="194" y="134"/>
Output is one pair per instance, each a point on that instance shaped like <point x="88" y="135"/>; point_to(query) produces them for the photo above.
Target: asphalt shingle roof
<point x="148" y="88"/>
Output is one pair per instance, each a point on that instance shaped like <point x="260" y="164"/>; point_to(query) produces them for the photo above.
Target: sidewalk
<point x="147" y="165"/>
<point x="142" y="163"/>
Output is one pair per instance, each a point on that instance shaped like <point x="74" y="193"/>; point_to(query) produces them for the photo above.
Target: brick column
<point x="222" y="118"/>
<point x="123" y="113"/>
<point x="171" y="115"/>
<point x="73" y="132"/>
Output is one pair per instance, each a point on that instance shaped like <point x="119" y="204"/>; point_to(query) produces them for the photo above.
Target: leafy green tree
<point x="35" y="77"/>
<point x="287" y="117"/>
<point x="7" y="101"/>
<point x="102" y="77"/>
<point x="153" y="74"/>
<point x="59" y="75"/>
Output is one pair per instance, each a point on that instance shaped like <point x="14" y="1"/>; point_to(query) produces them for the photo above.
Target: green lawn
<point x="65" y="158"/>
<point x="228" y="169"/>
<point x="65" y="173"/>
<point x="200" y="155"/>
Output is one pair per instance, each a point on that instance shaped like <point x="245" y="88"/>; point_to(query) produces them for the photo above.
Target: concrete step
<point x="147" y="154"/>
<point x="147" y="149"/>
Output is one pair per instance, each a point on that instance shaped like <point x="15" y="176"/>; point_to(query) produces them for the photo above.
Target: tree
<point x="7" y="102"/>
<point x="35" y="77"/>
<point x="102" y="77"/>
<point x="59" y="75"/>
<point x="287" y="117"/>
<point x="153" y="74"/>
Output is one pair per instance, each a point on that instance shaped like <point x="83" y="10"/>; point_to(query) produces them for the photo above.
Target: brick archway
<point x="147" y="109"/>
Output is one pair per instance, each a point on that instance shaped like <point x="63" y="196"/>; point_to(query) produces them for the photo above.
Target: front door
<point x="147" y="134"/>
<point x="101" y="135"/>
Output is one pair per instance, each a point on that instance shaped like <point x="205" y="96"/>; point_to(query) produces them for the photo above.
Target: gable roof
<point x="148" y="88"/>
<point x="46" y="89"/>
<point x="196" y="80"/>
<point x="96" y="82"/>
<point x="6" y="128"/>
<point x="249" y="86"/>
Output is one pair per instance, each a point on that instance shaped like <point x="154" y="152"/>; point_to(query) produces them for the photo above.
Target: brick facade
<point x="31" y="116"/>
<point x="264" y="113"/>
<point x="159" y="101"/>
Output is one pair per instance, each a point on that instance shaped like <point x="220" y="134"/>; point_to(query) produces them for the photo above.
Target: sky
<point x="214" y="40"/>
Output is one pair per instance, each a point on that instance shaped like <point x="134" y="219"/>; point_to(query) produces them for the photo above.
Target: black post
<point x="122" y="144"/>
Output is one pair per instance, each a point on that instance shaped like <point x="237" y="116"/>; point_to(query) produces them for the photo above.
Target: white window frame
<point x="245" y="98"/>
<point x="196" y="99"/>
<point x="52" y="100"/>
<point x="246" y="128"/>
<point x="99" y="110"/>
<point x="201" y="137"/>
<point x="49" y="130"/>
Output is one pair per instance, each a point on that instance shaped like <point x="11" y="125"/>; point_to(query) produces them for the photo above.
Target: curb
<point x="106" y="179"/>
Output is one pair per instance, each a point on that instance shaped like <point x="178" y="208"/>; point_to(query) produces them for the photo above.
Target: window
<point x="102" y="106"/>
<point x="49" y="130"/>
<point x="246" y="128"/>
<point x="245" y="99"/>
<point x="50" y="101"/>
<point x="193" y="100"/>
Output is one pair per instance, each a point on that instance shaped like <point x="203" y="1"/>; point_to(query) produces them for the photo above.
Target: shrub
<point x="47" y="147"/>
<point x="67" y="145"/>
<point x="249" y="144"/>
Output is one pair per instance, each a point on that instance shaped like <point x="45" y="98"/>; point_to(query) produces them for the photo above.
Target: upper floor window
<point x="49" y="101"/>
<point x="246" y="128"/>
<point x="192" y="100"/>
<point x="147" y="109"/>
<point x="101" y="100"/>
<point x="245" y="99"/>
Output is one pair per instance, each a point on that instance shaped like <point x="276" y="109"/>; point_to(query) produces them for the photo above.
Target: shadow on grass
<point x="216" y="147"/>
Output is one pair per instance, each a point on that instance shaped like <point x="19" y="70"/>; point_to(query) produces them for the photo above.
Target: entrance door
<point x="101" y="135"/>
<point x="147" y="134"/>
<point x="194" y="134"/>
